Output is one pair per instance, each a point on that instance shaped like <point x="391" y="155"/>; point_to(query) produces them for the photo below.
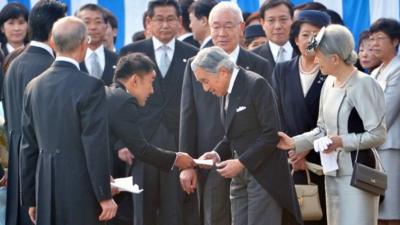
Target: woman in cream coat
<point x="348" y="97"/>
<point x="385" y="37"/>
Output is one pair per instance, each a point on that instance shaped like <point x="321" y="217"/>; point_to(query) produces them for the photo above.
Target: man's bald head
<point x="68" y="34"/>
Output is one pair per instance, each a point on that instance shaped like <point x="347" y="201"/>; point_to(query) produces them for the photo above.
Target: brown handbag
<point x="369" y="179"/>
<point x="308" y="197"/>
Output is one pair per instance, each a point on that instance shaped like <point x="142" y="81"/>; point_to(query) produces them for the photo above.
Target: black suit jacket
<point x="251" y="128"/>
<point x="123" y="117"/>
<point x="64" y="146"/>
<point x="108" y="72"/>
<point x="201" y="126"/>
<point x="163" y="106"/>
<point x="32" y="62"/>
<point x="190" y="40"/>
<point x="209" y="43"/>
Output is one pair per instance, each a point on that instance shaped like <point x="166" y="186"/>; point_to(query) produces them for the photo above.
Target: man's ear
<point x="51" y="43"/>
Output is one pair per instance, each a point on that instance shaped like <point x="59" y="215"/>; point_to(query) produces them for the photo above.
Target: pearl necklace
<point x="312" y="72"/>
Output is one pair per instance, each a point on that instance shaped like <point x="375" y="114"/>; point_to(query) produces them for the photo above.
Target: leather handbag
<point x="309" y="202"/>
<point x="369" y="179"/>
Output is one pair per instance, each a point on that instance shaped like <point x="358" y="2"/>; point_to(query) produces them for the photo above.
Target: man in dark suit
<point x="33" y="61"/>
<point x="160" y="116"/>
<point x="185" y="33"/>
<point x="201" y="127"/>
<point x="64" y="123"/>
<point x="133" y="85"/>
<point x="276" y="18"/>
<point x="261" y="191"/>
<point x="198" y="14"/>
<point x="99" y="61"/>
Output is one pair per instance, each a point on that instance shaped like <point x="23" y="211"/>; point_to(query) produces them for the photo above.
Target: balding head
<point x="68" y="34"/>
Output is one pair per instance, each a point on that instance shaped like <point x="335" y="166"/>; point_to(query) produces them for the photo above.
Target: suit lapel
<point x="243" y="60"/>
<point x="174" y="76"/>
<point x="269" y="55"/>
<point x="108" y="71"/>
<point x="234" y="99"/>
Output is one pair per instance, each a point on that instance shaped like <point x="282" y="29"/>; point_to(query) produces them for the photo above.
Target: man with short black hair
<point x="162" y="197"/>
<point x="276" y="18"/>
<point x="99" y="61"/>
<point x="36" y="58"/>
<point x="198" y="14"/>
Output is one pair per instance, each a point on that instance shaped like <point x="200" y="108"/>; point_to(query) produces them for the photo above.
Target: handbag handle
<point x="374" y="151"/>
<point x="307" y="174"/>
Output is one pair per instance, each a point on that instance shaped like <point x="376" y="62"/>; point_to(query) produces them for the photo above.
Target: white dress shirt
<point x="67" y="59"/>
<point x="42" y="45"/>
<point x="233" y="56"/>
<point x="275" y="49"/>
<point x="158" y="51"/>
<point x="100" y="56"/>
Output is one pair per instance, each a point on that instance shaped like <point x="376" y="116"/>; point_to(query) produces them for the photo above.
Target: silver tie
<point x="96" y="70"/>
<point x="164" y="60"/>
<point x="280" y="57"/>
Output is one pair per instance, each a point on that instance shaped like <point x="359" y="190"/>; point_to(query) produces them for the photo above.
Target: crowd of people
<point x="263" y="96"/>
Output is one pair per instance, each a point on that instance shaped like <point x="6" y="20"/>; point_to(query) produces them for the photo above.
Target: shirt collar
<point x="9" y="47"/>
<point x="99" y="51"/>
<point x="42" y="45"/>
<point x="275" y="48"/>
<point x="233" y="56"/>
<point x="205" y="42"/>
<point x="232" y="80"/>
<point x="67" y="59"/>
<point x="157" y="44"/>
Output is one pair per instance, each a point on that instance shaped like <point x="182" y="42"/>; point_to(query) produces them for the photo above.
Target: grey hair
<point x="68" y="33"/>
<point x="226" y="6"/>
<point x="339" y="40"/>
<point x="212" y="59"/>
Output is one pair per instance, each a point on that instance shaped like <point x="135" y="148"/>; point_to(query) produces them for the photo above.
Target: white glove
<point x="321" y="144"/>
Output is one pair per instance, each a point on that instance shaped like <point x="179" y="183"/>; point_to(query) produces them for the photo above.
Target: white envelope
<point x="126" y="184"/>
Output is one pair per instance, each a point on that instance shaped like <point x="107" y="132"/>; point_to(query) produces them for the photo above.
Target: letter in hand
<point x="184" y="161"/>
<point x="285" y="142"/>
<point x="209" y="155"/>
<point x="188" y="179"/>
<point x="32" y="214"/>
<point x="109" y="209"/>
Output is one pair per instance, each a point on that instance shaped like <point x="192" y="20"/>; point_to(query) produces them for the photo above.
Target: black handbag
<point x="369" y="179"/>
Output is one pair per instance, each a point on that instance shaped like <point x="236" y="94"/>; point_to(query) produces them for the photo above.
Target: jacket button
<point x="58" y="151"/>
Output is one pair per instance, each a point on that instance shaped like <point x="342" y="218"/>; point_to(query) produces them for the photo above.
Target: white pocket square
<point x="241" y="108"/>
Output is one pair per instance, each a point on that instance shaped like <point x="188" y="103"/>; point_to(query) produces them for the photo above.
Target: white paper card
<point x="204" y="162"/>
<point x="126" y="184"/>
